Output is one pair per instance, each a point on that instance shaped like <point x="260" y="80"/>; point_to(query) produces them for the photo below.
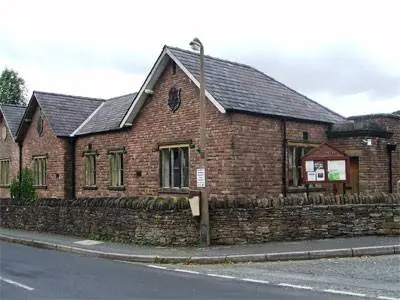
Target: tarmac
<point x="272" y="251"/>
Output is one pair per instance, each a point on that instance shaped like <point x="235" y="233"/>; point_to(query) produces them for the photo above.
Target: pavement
<point x="273" y="251"/>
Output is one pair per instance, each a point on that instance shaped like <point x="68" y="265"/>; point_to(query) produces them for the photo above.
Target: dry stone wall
<point x="168" y="221"/>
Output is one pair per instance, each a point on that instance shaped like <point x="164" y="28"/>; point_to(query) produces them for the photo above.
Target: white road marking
<point x="254" y="280"/>
<point x="26" y="287"/>
<point x="186" y="271"/>
<point x="157" y="267"/>
<point x="303" y="287"/>
<point x="344" y="293"/>
<point x="88" y="242"/>
<point x="220" y="276"/>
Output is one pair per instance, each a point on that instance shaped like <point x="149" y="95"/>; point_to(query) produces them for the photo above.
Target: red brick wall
<point x="156" y="124"/>
<point x="258" y="152"/>
<point x="55" y="149"/>
<point x="374" y="160"/>
<point x="244" y="152"/>
<point x="9" y="150"/>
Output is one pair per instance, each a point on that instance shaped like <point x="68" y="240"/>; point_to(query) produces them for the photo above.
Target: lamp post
<point x="204" y="215"/>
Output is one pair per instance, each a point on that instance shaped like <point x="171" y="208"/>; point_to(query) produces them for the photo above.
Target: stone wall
<point x="156" y="221"/>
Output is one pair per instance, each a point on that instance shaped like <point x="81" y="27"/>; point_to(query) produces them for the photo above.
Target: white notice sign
<point x="310" y="166"/>
<point x="336" y="170"/>
<point x="201" y="178"/>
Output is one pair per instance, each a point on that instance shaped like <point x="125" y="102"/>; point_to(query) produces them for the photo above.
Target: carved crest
<point x="174" y="98"/>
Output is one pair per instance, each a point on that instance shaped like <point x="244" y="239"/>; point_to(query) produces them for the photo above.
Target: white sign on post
<point x="201" y="178"/>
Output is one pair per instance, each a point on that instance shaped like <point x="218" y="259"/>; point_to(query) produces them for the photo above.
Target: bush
<point x="23" y="192"/>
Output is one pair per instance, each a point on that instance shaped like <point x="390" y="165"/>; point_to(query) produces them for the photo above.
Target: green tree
<point x="12" y="88"/>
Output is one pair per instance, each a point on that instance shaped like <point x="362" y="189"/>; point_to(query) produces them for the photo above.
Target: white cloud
<point x="106" y="48"/>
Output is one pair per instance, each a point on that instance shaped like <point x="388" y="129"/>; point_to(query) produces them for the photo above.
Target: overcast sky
<point x="343" y="54"/>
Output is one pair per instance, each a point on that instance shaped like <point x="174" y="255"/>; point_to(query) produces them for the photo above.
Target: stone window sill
<point x="40" y="187"/>
<point x="176" y="191"/>
<point x="88" y="187"/>
<point x="116" y="188"/>
<point x="7" y="186"/>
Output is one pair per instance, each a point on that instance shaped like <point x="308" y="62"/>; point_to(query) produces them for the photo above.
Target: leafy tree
<point x="12" y="88"/>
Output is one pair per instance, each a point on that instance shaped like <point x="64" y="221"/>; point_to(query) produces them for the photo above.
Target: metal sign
<point x="201" y="177"/>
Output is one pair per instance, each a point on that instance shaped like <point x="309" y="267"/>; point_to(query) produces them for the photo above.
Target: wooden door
<point x="353" y="184"/>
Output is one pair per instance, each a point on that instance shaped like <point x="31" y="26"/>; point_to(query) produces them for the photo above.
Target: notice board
<point x="325" y="164"/>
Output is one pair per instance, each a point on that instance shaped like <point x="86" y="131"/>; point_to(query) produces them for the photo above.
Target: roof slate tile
<point x="242" y="88"/>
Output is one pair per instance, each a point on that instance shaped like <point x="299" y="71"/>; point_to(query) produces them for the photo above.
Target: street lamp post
<point x="204" y="214"/>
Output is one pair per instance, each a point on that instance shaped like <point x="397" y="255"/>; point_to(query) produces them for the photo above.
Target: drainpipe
<point x="71" y="144"/>
<point x="284" y="147"/>
<point x="20" y="169"/>
<point x="390" y="148"/>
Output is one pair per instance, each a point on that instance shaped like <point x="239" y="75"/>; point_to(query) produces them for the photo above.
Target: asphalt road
<point x="374" y="276"/>
<point x="30" y="273"/>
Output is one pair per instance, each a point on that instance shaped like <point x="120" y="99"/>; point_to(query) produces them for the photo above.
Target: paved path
<point x="30" y="273"/>
<point x="339" y="247"/>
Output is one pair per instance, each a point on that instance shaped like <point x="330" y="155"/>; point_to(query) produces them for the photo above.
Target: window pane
<point x="165" y="168"/>
<point x="185" y="167"/>
<point x="176" y="163"/>
<point x="121" y="169"/>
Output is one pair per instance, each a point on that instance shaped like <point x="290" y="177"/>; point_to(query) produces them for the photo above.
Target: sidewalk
<point x="273" y="251"/>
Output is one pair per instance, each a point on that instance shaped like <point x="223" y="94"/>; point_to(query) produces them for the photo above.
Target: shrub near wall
<point x="169" y="222"/>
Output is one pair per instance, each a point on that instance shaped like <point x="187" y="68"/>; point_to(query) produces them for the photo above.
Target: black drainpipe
<point x="72" y="142"/>
<point x="20" y="169"/>
<point x="284" y="146"/>
<point x="390" y="148"/>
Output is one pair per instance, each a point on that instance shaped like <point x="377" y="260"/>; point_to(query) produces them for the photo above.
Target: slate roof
<point x="358" y="127"/>
<point x="66" y="113"/>
<point x="13" y="115"/>
<point x="238" y="87"/>
<point x="108" y="116"/>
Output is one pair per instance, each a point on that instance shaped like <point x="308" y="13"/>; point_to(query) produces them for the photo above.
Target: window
<point x="39" y="170"/>
<point x="174" y="167"/>
<point x="4" y="172"/>
<point x="116" y="168"/>
<point x="90" y="169"/>
<point x="40" y="125"/>
<point x="3" y="132"/>
<point x="295" y="153"/>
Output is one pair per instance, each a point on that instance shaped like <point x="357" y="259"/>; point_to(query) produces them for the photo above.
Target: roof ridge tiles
<point x="13" y="105"/>
<point x="211" y="57"/>
<point x="118" y="97"/>
<point x="67" y="95"/>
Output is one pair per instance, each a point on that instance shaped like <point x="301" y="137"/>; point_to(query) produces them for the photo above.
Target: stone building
<point x="10" y="118"/>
